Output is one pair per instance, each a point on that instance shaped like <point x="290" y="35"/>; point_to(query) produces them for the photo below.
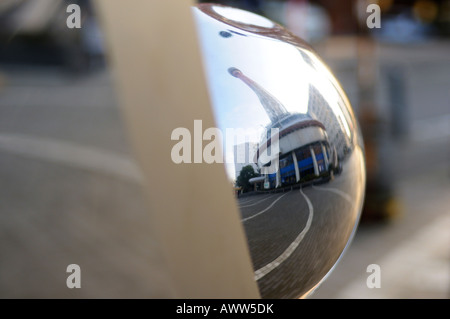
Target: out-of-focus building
<point x="37" y="33"/>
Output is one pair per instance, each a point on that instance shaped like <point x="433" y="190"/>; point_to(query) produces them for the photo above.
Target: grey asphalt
<point x="310" y="225"/>
<point x="58" y="203"/>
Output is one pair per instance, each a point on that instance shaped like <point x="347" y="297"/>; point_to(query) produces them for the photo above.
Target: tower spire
<point x="274" y="109"/>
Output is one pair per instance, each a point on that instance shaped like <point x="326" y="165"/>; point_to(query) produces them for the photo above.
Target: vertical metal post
<point x="325" y="156"/>
<point x="156" y="59"/>
<point x="297" y="171"/>
<point x="316" y="167"/>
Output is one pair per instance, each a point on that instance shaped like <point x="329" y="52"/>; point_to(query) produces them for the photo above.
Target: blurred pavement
<point x="413" y="248"/>
<point x="71" y="192"/>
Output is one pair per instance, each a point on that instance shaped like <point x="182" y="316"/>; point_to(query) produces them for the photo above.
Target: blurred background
<point x="64" y="149"/>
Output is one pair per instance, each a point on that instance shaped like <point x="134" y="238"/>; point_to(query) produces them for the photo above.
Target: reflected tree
<point x="245" y="175"/>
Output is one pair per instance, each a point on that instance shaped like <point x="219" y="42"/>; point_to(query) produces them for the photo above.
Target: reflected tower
<point x="274" y="109"/>
<point x="304" y="150"/>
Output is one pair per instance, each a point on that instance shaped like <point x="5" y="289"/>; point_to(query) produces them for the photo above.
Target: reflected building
<point x="304" y="148"/>
<point x="274" y="109"/>
<point x="319" y="108"/>
<point x="243" y="156"/>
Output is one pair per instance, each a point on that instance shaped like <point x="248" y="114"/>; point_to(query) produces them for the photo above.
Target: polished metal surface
<point x="295" y="132"/>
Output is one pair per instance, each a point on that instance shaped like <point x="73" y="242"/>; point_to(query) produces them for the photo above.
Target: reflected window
<point x="287" y="170"/>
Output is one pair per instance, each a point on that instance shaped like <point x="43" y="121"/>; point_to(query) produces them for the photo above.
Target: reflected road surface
<point x="300" y="230"/>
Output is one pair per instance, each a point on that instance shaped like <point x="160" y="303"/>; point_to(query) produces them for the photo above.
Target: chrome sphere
<point x="293" y="146"/>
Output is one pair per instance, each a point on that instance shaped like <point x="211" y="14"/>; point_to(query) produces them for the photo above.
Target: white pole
<point x="297" y="171"/>
<point x="158" y="69"/>
<point x="325" y="156"/>
<point x="313" y="155"/>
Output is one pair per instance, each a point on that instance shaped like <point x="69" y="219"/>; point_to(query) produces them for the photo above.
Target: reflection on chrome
<point x="299" y="218"/>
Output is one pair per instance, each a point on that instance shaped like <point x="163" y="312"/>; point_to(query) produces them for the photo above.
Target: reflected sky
<point x="240" y="49"/>
<point x="283" y="70"/>
<point x="284" y="79"/>
<point x="235" y="105"/>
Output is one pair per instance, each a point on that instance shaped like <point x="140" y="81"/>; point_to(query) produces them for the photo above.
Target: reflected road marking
<point x="255" y="203"/>
<point x="266" y="209"/>
<point x="288" y="252"/>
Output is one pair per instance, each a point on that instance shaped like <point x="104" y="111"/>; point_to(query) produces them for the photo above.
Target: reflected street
<point x="292" y="224"/>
